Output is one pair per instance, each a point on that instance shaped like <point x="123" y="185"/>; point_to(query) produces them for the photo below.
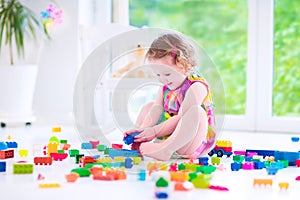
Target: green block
<point x="215" y="160"/>
<point x="60" y="151"/>
<point x="101" y="147"/>
<point x="77" y="158"/>
<point x="73" y="152"/>
<point x="238" y="158"/>
<point x="82" y="172"/>
<point x="64" y="141"/>
<point x="136" y="160"/>
<point x="106" y="150"/>
<point x="192" y="175"/>
<point x="206" y="169"/>
<point x="267" y="163"/>
<point x="285" y="163"/>
<point x="161" y="182"/>
<point x="181" y="166"/>
<point x="192" y="167"/>
<point x="22" y="168"/>
<point x="202" y="181"/>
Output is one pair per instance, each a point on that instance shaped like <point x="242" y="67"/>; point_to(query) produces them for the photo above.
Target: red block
<point x="298" y="163"/>
<point x="117" y="146"/>
<point x="6" y="154"/>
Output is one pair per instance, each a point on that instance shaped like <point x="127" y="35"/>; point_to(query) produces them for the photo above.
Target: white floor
<point x="240" y="183"/>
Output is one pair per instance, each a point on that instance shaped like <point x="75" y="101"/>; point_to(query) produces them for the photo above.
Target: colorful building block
<point x="42" y="161"/>
<point x="291" y="157"/>
<point x="248" y="166"/>
<point x="86" y="145"/>
<point x="203" y="160"/>
<point x="12" y="145"/>
<point x="23" y="153"/>
<point x="264" y="182"/>
<point x="95" y="144"/>
<point x="235" y="166"/>
<point x="56" y="129"/>
<point x="128" y="163"/>
<point x="6" y="154"/>
<point x="82" y="172"/>
<point x="58" y="156"/>
<point x="3" y="146"/>
<point x="215" y="160"/>
<point x="122" y="152"/>
<point x="25" y="168"/>
<point x="2" y="166"/>
<point x="130" y="138"/>
<point x="101" y="147"/>
<point x="49" y="185"/>
<point x="73" y="152"/>
<point x="284" y="185"/>
<point x="72" y="177"/>
<point x="117" y="146"/>
<point x="142" y="175"/>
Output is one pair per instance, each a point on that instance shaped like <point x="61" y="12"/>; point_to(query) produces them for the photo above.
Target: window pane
<point x="219" y="26"/>
<point x="286" y="88"/>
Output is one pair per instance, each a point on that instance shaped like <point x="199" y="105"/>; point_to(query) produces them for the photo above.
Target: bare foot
<point x="155" y="150"/>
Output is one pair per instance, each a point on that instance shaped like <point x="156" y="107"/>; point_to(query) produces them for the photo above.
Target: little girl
<point x="182" y="117"/>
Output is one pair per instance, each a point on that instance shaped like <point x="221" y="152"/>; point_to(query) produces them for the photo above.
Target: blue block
<point x="203" y="160"/>
<point x="116" y="164"/>
<point x="12" y="145"/>
<point x="161" y="195"/>
<point x="2" y="166"/>
<point x="3" y="146"/>
<point x="263" y="153"/>
<point x="96" y="157"/>
<point x="86" y="145"/>
<point x="259" y="165"/>
<point x="122" y="152"/>
<point x="295" y="139"/>
<point x="130" y="138"/>
<point x="128" y="163"/>
<point x="272" y="170"/>
<point x="291" y="157"/>
<point x="142" y="175"/>
<point x="235" y="166"/>
<point x="248" y="159"/>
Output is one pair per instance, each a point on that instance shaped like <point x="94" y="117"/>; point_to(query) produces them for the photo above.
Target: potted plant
<point x="19" y="25"/>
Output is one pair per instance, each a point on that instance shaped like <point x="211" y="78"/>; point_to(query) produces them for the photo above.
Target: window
<point x="220" y="27"/>
<point x="254" y="44"/>
<point x="286" y="84"/>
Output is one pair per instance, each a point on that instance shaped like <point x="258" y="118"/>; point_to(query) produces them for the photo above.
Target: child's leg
<point x="187" y="136"/>
<point x="144" y="111"/>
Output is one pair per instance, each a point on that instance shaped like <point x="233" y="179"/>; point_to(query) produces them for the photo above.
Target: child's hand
<point x="129" y="132"/>
<point x="146" y="135"/>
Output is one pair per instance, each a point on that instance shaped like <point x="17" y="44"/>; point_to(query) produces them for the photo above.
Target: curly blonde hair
<point x="176" y="46"/>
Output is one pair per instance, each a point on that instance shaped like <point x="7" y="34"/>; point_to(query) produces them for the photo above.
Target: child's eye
<point x="157" y="74"/>
<point x="167" y="74"/>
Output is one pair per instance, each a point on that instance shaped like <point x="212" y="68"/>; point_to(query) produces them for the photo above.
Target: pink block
<point x="94" y="144"/>
<point x="248" y="166"/>
<point x="242" y="153"/>
<point x="251" y="154"/>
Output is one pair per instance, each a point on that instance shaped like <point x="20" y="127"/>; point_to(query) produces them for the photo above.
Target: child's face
<point x="167" y="72"/>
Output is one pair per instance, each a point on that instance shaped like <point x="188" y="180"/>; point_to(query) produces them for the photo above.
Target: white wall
<point x="58" y="65"/>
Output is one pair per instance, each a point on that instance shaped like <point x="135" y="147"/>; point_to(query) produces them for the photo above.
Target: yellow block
<point x="56" y="129"/>
<point x="49" y="185"/>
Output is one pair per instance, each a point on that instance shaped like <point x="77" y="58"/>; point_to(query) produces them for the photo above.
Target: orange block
<point x="262" y="182"/>
<point x="72" y="177"/>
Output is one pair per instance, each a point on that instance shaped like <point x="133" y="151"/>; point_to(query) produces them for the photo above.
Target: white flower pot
<point x="17" y="86"/>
